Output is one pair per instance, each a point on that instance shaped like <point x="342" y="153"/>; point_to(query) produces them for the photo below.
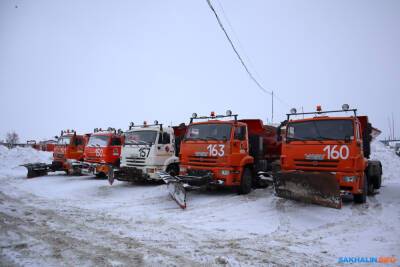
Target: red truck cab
<point x="69" y="148"/>
<point x="102" y="151"/>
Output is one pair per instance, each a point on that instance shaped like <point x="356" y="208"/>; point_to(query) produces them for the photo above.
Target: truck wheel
<point x="100" y="175"/>
<point x="371" y="187"/>
<point x="246" y="182"/>
<point x="362" y="198"/>
<point x="377" y="181"/>
<point x="173" y="170"/>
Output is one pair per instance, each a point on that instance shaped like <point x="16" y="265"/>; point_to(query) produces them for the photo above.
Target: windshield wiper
<point x="195" y="139"/>
<point x="298" y="139"/>
<point x="212" y="138"/>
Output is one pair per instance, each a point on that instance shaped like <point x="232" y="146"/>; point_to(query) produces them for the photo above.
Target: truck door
<point x="164" y="149"/>
<point x="76" y="148"/>
<point x="240" y="140"/>
<point x="115" y="147"/>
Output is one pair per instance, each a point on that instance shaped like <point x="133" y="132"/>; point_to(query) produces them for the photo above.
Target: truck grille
<point x="135" y="161"/>
<point x="92" y="159"/>
<point x="316" y="164"/>
<point x="199" y="173"/>
<point x="59" y="155"/>
<point x="202" y="161"/>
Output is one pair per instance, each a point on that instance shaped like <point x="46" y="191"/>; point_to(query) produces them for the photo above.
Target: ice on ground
<point x="218" y="227"/>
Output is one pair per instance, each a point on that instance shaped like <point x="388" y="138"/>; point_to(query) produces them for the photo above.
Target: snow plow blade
<point x="309" y="187"/>
<point x="110" y="176"/>
<point x="176" y="189"/>
<point x="36" y="169"/>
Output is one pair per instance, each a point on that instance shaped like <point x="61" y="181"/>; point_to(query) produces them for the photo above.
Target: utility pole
<point x="272" y="106"/>
<point x="394" y="137"/>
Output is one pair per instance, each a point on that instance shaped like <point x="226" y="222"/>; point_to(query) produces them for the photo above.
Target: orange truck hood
<point x="204" y="153"/>
<point x="102" y="154"/>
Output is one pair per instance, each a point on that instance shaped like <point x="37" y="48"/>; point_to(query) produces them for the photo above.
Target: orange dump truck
<point x="68" y="152"/>
<point x="219" y="152"/>
<point x="325" y="157"/>
<point x="102" y="152"/>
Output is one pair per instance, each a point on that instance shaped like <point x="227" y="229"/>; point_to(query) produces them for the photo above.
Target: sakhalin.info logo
<point x="367" y="260"/>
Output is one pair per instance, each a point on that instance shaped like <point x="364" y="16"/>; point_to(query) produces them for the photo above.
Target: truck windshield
<point x="320" y="130"/>
<point x="98" y="140"/>
<point x="64" y="140"/>
<point x="208" y="132"/>
<point x="140" y="137"/>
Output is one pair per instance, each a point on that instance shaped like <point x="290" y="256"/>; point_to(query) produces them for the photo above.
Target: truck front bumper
<point x="133" y="174"/>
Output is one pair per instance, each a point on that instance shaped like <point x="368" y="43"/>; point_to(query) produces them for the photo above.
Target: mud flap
<point x="309" y="187"/>
<point x="175" y="188"/>
<point x="36" y="169"/>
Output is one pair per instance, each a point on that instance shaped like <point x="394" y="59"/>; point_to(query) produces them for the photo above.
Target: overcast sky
<point x="85" y="64"/>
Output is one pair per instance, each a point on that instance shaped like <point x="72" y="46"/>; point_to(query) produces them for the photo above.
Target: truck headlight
<point x="349" y="179"/>
<point x="225" y="172"/>
<point x="182" y="170"/>
<point x="150" y="170"/>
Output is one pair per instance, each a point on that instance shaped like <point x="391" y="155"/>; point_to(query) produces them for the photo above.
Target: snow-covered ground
<point x="69" y="221"/>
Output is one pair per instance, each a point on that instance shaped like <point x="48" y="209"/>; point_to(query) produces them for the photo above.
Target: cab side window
<point x="240" y="133"/>
<point x="164" y="138"/>
<point x="115" y="141"/>
<point x="78" y="141"/>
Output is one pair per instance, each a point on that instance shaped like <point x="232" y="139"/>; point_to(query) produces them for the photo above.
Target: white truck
<point x="147" y="150"/>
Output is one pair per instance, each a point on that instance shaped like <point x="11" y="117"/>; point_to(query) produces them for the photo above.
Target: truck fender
<point x="169" y="161"/>
<point x="248" y="160"/>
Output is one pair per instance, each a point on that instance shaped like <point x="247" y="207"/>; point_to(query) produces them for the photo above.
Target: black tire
<point x="100" y="175"/>
<point x="173" y="170"/>
<point x="371" y="188"/>
<point x="362" y="198"/>
<point x="378" y="181"/>
<point x="31" y="173"/>
<point x="246" y="182"/>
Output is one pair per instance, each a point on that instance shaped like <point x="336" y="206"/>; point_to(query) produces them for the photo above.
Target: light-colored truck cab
<point x="149" y="149"/>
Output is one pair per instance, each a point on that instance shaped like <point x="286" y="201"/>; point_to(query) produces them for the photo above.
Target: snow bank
<point x="10" y="159"/>
<point x="390" y="162"/>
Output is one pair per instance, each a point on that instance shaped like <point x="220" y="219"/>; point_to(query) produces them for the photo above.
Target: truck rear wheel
<point x="377" y="181"/>
<point x="362" y="198"/>
<point x="246" y="182"/>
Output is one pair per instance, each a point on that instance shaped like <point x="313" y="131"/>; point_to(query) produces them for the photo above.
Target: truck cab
<point x="226" y="152"/>
<point x="102" y="151"/>
<point x="68" y="149"/>
<point x="330" y="155"/>
<point x="147" y="150"/>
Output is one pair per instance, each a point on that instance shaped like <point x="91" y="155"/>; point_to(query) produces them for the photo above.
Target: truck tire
<point x="246" y="182"/>
<point x="173" y="169"/>
<point x="371" y="187"/>
<point x="362" y="198"/>
<point x="378" y="181"/>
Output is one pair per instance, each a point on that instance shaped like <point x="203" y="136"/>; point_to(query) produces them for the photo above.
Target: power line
<point x="246" y="57"/>
<point x="235" y="50"/>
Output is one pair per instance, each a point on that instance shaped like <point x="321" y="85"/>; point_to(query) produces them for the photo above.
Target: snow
<point x="122" y="221"/>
